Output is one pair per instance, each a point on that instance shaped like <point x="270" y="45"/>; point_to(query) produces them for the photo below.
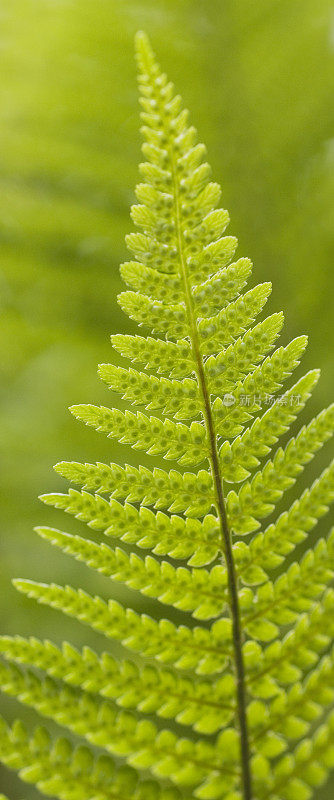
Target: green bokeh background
<point x="258" y="77"/>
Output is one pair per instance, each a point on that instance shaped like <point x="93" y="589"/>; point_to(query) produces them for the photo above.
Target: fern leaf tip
<point x="60" y="466"/>
<point x="143" y="51"/>
<point x="141" y="39"/>
<point x="22" y="584"/>
<point x="45" y="532"/>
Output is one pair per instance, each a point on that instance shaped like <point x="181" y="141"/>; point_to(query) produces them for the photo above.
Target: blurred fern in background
<point x="260" y="77"/>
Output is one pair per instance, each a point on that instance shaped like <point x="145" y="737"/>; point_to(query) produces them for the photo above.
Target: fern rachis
<point x="256" y="672"/>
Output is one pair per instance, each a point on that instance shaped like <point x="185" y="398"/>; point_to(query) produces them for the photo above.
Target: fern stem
<point x="233" y="595"/>
<point x="221" y="509"/>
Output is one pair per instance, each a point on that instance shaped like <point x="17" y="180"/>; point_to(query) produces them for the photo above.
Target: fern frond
<point x="284" y="661"/>
<point x="220" y="330"/>
<point x="291" y="715"/>
<point x="206" y="706"/>
<point x="245" y="452"/>
<point x="180" y="538"/>
<point x="199" y="541"/>
<point x="204" y="650"/>
<point x="221" y="288"/>
<point x="174" y="358"/>
<point x="175" y="441"/>
<point x="242" y="355"/>
<point x="180" y="399"/>
<point x="265" y="379"/>
<point x="294" y="591"/>
<point x="168" y="319"/>
<point x="178" y="492"/>
<point x="119" y="732"/>
<point x="159" y="285"/>
<point x="268" y="656"/>
<point x="297" y="775"/>
<point x="268" y="548"/>
<point x="59" y="770"/>
<point x="199" y="591"/>
<point x="188" y="492"/>
<point x="258" y="497"/>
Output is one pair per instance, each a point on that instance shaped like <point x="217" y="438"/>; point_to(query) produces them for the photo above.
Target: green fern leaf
<point x="174" y="535"/>
<point x="280" y="538"/>
<point x="174" y="441"/>
<point x="188" y="492"/>
<point x="204" y="705"/>
<point x="60" y="771"/>
<point x="202" y="592"/>
<point x="240" y="690"/>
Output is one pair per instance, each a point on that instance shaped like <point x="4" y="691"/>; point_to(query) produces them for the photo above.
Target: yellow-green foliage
<point x="215" y="380"/>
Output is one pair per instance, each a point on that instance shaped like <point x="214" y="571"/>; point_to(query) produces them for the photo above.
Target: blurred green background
<point x="258" y="77"/>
